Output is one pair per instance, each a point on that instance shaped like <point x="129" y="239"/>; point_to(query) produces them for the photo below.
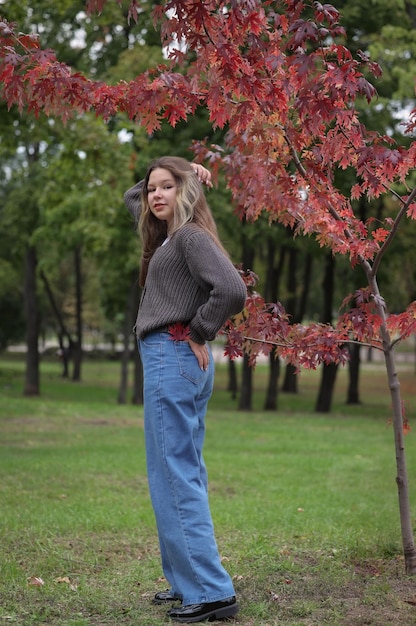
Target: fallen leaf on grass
<point x="66" y="580"/>
<point x="35" y="581"/>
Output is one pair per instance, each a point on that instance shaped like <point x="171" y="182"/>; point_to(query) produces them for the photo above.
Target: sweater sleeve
<point x="215" y="273"/>
<point x="132" y="200"/>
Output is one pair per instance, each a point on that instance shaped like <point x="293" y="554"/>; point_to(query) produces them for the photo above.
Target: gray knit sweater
<point x="189" y="280"/>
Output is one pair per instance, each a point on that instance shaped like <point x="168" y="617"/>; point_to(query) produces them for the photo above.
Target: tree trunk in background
<point x="137" y="397"/>
<point x="232" y="379"/>
<point x="63" y="332"/>
<point x="32" y="386"/>
<point x="246" y="393"/>
<point x="353" y="395"/>
<point x="296" y="307"/>
<point x="65" y="355"/>
<point x="129" y="317"/>
<point x="273" y="277"/>
<point x="290" y="382"/>
<point x="77" y="351"/>
<point x="329" y="372"/>
<point x="245" y="403"/>
<point x="326" y="389"/>
<point x="270" y="402"/>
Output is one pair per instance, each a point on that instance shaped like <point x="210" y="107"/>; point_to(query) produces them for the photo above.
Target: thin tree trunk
<point x="353" y="396"/>
<point x="290" y="381"/>
<point x="32" y="384"/>
<point x="137" y="396"/>
<point x="232" y="379"/>
<point x="77" y="352"/>
<point x="245" y="403"/>
<point x="65" y="355"/>
<point x="296" y="308"/>
<point x="273" y="277"/>
<point x="270" y="403"/>
<point x="138" y="379"/>
<point x="409" y="549"/>
<point x="129" y="315"/>
<point x="124" y="370"/>
<point x="329" y="371"/>
<point x="402" y="478"/>
<point x="63" y="331"/>
<point x="326" y="389"/>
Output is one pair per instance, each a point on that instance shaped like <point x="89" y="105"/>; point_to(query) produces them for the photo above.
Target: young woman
<point x="190" y="288"/>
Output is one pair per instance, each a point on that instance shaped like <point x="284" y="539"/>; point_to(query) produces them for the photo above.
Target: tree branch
<point x="286" y="345"/>
<point x="392" y="232"/>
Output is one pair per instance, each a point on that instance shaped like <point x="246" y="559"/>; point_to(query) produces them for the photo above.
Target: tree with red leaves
<point x="277" y="76"/>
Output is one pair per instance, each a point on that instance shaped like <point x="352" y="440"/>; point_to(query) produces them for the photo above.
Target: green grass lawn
<point x="305" y="505"/>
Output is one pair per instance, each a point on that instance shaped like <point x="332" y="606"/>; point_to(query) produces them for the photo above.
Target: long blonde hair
<point x="191" y="206"/>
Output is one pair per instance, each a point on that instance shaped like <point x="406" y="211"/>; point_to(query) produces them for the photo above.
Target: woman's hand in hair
<point x="203" y="174"/>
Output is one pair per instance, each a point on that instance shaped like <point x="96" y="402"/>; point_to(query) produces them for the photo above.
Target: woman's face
<point x="161" y="194"/>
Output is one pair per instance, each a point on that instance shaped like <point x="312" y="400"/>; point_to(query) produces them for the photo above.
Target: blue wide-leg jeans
<point x="176" y="394"/>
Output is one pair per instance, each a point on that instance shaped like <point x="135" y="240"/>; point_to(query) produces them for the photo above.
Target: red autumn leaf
<point x="179" y="332"/>
<point x="232" y="351"/>
<point x="302" y="31"/>
<point x="411" y="211"/>
<point x="380" y="234"/>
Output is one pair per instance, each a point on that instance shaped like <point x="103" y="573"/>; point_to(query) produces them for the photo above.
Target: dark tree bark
<point x="290" y="382"/>
<point x="32" y="383"/>
<point x="270" y="402"/>
<point x="129" y="315"/>
<point x="353" y="395"/>
<point x="77" y="351"/>
<point x="137" y="397"/>
<point x="232" y="379"/>
<point x="65" y="354"/>
<point x="355" y="349"/>
<point x="246" y="394"/>
<point x="296" y="307"/>
<point x="273" y="277"/>
<point x="326" y="389"/>
<point x="329" y="372"/>
<point x="31" y="308"/>
<point x="63" y="333"/>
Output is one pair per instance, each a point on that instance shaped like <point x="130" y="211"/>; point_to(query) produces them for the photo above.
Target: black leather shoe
<point x="163" y="597"/>
<point x="211" y="611"/>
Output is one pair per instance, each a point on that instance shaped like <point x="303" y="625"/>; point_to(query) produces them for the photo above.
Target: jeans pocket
<point x="188" y="363"/>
